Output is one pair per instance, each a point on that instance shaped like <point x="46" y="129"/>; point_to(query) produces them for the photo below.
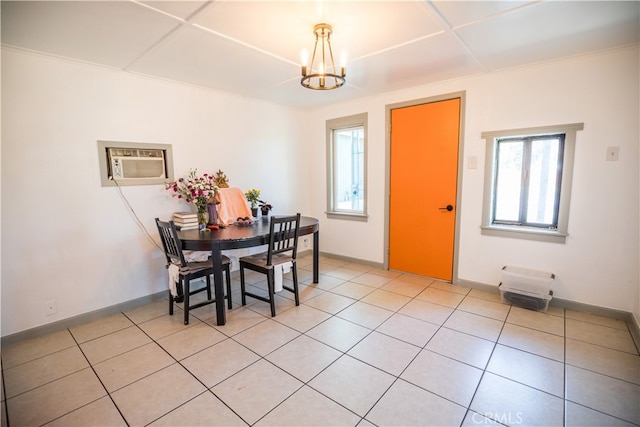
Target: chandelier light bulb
<point x="343" y="63"/>
<point x="304" y="60"/>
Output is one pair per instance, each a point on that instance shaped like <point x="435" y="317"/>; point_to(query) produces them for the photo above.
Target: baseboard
<point x="633" y="323"/>
<point x="634" y="326"/>
<point x="592" y="309"/>
<point x="351" y="259"/>
<point x="80" y="319"/>
<point x="492" y="289"/>
<point x="93" y="315"/>
<point x="602" y="311"/>
<point x="304" y="252"/>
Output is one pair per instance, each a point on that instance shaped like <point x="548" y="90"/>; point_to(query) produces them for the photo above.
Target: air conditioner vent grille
<point x="125" y="163"/>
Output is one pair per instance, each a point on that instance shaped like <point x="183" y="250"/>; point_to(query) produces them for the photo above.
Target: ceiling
<point x="252" y="48"/>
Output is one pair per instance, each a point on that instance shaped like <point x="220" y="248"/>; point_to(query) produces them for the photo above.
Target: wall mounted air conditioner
<point x="132" y="163"/>
<point x="127" y="163"/>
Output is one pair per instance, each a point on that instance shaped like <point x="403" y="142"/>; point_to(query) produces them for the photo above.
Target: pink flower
<point x="194" y="189"/>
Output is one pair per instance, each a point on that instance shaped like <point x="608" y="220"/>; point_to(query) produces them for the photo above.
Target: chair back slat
<point x="283" y="236"/>
<point x="170" y="242"/>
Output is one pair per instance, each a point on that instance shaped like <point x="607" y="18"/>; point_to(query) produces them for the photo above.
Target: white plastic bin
<point x="526" y="288"/>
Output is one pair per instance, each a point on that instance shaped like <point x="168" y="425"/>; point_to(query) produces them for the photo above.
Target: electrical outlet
<point x="613" y="153"/>
<point x="305" y="242"/>
<point x="50" y="307"/>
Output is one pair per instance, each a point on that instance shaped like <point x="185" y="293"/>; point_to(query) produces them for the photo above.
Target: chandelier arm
<point x="313" y="56"/>
<point x="323" y="71"/>
<point x="333" y="64"/>
<point x="324" y="62"/>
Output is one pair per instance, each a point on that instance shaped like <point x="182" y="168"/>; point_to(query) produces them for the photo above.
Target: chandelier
<point x="320" y="73"/>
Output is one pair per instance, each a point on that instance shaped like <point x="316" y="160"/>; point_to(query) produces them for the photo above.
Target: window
<point x="346" y="167"/>
<point x="528" y="182"/>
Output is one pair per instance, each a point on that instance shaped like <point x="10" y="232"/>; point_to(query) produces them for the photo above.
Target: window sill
<point x="348" y="216"/>
<point x="527" y="233"/>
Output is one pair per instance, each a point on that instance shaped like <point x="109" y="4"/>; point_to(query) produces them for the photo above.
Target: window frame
<point x="333" y="125"/>
<point x="525" y="179"/>
<point x="560" y="233"/>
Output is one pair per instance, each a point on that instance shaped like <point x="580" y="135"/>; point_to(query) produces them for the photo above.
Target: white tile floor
<point x="365" y="347"/>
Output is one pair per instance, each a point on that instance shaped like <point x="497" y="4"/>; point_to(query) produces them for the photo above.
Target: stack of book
<point x="185" y="220"/>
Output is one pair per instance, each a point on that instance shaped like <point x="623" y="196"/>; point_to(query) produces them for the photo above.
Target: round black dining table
<point x="238" y="237"/>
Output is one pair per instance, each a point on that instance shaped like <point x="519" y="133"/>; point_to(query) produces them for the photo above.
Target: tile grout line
<point x="263" y="358"/>
<point x="101" y="383"/>
<point x="423" y="348"/>
<point x="343" y="354"/>
<point x="207" y="389"/>
<point x="440" y="327"/>
<point x="4" y="394"/>
<point x="484" y="371"/>
<point x="565" y="412"/>
<point x="304" y="383"/>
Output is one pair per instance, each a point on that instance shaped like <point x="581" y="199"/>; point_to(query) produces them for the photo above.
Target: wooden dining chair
<point x="188" y="271"/>
<point x="282" y="249"/>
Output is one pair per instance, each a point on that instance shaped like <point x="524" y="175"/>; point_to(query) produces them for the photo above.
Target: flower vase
<point x="203" y="217"/>
<point x="254" y="212"/>
<point x="265" y="215"/>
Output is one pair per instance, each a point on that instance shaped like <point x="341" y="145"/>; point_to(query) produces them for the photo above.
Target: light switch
<point x="613" y="153"/>
<point x="472" y="162"/>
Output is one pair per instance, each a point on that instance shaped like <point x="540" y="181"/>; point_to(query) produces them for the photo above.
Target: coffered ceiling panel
<point x="461" y="13"/>
<point x="109" y="33"/>
<point x="426" y="61"/>
<point x="181" y="9"/>
<point x="285" y="28"/>
<point x="551" y="30"/>
<point x="252" y="48"/>
<point x="204" y="59"/>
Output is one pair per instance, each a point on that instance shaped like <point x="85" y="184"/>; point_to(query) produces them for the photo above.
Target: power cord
<point x="133" y="212"/>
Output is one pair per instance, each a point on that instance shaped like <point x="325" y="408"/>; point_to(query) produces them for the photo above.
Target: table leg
<point x="316" y="256"/>
<point x="216" y="258"/>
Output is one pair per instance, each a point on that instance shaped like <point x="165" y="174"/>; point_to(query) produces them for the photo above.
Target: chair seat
<point x="193" y="267"/>
<point x="260" y="260"/>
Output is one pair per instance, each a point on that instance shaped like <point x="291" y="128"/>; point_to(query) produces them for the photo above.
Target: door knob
<point x="447" y="208"/>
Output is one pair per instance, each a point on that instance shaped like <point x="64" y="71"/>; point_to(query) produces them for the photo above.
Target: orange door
<point x="423" y="177"/>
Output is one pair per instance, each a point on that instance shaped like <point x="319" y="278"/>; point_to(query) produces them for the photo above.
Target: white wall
<point x="598" y="265"/>
<point x="65" y="237"/>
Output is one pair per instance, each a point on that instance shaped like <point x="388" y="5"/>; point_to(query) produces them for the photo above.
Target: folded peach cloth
<point x="233" y="205"/>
